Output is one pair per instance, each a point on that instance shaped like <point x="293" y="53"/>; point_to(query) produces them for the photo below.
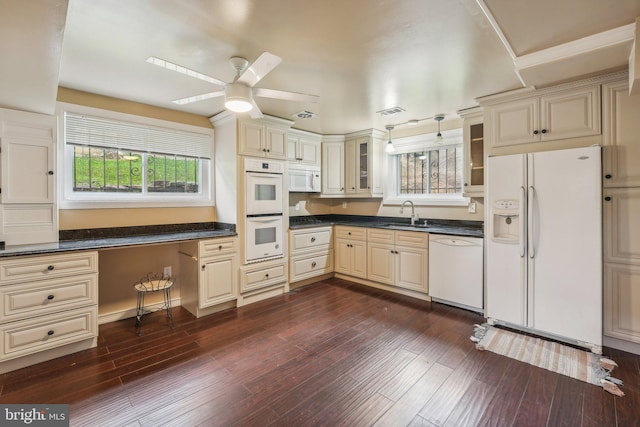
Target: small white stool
<point x="153" y="283"/>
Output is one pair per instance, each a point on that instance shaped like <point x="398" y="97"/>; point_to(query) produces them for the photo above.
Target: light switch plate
<point x="472" y="207"/>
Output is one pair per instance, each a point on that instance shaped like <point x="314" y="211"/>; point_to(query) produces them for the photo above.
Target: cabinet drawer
<point x="380" y="235"/>
<point x="44" y="297"/>
<point x="42" y="267"/>
<point x="259" y="276"/>
<point x="45" y="332"/>
<point x="414" y="239"/>
<point x="352" y="233"/>
<point x="316" y="238"/>
<point x="217" y="247"/>
<point x="302" y="267"/>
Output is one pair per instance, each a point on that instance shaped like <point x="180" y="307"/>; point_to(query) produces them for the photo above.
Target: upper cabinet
<point x="473" y="137"/>
<point x="28" y="210"/>
<point x="303" y="147"/>
<point x="546" y="115"/>
<point x="360" y="159"/>
<point x="265" y="137"/>
<point x="621" y="150"/>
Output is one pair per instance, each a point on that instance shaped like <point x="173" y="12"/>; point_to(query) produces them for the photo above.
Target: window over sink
<point x="120" y="160"/>
<point x="425" y="171"/>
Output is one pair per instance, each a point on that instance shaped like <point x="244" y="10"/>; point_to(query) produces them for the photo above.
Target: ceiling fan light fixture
<point x="238" y="97"/>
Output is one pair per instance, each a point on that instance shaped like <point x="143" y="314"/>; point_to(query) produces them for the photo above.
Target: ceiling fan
<point x="240" y="92"/>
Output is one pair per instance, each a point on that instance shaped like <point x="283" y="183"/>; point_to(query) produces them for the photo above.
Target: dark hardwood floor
<point x="331" y="354"/>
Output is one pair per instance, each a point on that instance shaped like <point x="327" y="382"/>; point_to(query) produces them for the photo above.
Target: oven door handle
<point x="265" y="218"/>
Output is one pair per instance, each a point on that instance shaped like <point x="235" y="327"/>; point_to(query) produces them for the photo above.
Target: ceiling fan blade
<point x="183" y="70"/>
<point x="197" y="98"/>
<point x="255" y="112"/>
<point x="260" y="68"/>
<point x="287" y="96"/>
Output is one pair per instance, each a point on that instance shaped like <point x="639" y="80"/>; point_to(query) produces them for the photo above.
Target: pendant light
<point x="389" y="148"/>
<point x="439" y="139"/>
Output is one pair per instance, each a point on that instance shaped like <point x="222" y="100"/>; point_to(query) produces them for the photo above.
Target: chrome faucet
<point x="414" y="216"/>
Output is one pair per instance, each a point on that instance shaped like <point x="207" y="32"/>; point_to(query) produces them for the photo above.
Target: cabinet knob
<point x="268" y="150"/>
<point x="544" y="131"/>
<point x="51" y="332"/>
<point x="353" y="188"/>
<point x="313" y="239"/>
<point x="535" y="132"/>
<point x="341" y="188"/>
<point x="349" y="233"/>
<point x="203" y="267"/>
<point x="219" y="247"/>
<point x="266" y="276"/>
<point x="50" y="172"/>
<point x="313" y="264"/>
<point x="50" y="297"/>
<point x="51" y="268"/>
<point x="608" y="176"/>
<point x="608" y="198"/>
<point x="466" y="184"/>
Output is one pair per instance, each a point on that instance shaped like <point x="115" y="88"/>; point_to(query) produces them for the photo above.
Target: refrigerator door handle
<point x="530" y="221"/>
<point x="523" y="224"/>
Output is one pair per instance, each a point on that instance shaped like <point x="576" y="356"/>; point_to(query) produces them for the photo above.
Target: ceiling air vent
<point x="305" y="115"/>
<point x="391" y="111"/>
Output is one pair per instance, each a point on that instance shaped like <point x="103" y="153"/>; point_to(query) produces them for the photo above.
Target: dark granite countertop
<point x="450" y="227"/>
<point x="105" y="238"/>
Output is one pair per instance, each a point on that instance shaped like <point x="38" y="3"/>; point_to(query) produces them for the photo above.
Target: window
<point x="118" y="160"/>
<point x="425" y="172"/>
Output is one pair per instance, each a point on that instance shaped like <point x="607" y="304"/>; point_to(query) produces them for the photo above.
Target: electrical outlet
<point x="167" y="271"/>
<point x="472" y="207"/>
<point x="344" y="205"/>
<point x="297" y="207"/>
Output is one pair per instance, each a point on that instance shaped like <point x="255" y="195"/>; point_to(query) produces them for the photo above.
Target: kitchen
<point x="122" y="266"/>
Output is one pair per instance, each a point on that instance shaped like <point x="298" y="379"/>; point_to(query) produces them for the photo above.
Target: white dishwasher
<point x="456" y="270"/>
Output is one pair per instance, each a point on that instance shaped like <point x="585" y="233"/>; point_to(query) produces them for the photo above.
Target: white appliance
<point x="264" y="238"/>
<point x="456" y="270"/>
<point x="544" y="244"/>
<point x="263" y="187"/>
<point x="304" y="179"/>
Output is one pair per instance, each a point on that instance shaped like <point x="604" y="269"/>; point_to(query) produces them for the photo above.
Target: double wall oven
<point x="264" y="209"/>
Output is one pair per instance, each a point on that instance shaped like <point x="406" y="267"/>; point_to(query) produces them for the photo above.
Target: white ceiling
<point x="359" y="56"/>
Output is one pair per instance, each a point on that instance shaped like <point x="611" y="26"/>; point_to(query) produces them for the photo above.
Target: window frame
<point x="68" y="199"/>
<point x="410" y="144"/>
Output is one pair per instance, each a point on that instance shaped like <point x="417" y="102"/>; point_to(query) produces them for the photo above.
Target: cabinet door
<point x="333" y="168"/>
<point x="218" y="281"/>
<point x="252" y="139"/>
<point x="621" y="150"/>
<point x="359" y="264"/>
<point x="343" y="256"/>
<point x="292" y="149"/>
<point x="621" y="211"/>
<point x="570" y="114"/>
<point x="514" y="122"/>
<point x="411" y="268"/>
<point x="473" y="137"/>
<point x="309" y="152"/>
<point x="350" y="149"/>
<point x="363" y="166"/>
<point x="276" y="144"/>
<point x="622" y="302"/>
<point x="28" y="144"/>
<point x="380" y="263"/>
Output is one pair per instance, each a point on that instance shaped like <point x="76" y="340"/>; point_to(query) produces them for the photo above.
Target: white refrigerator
<point x="544" y="244"/>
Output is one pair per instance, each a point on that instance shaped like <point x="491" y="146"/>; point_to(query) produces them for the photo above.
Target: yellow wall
<point x="72" y="219"/>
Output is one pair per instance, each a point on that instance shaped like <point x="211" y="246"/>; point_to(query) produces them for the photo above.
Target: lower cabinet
<point x="351" y="251"/>
<point x="209" y="275"/>
<point x="48" y="307"/>
<point x="398" y="258"/>
<point x="311" y="253"/>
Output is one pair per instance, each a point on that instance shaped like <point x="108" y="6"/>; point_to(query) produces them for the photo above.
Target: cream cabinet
<point x="553" y="115"/>
<point x="262" y="138"/>
<point x="621" y="149"/>
<point x="398" y="258"/>
<point x="28" y="211"/>
<point x="622" y="301"/>
<point x="209" y="274"/>
<point x="303" y="148"/>
<point x="473" y="138"/>
<point x="351" y="251"/>
<point x="48" y="307"/>
<point x="333" y="168"/>
<point x="311" y="253"/>
<point x="263" y="275"/>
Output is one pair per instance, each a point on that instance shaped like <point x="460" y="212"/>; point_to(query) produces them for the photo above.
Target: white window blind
<point x="100" y="132"/>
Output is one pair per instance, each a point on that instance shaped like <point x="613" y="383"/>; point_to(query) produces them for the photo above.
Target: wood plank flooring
<point x="330" y="354"/>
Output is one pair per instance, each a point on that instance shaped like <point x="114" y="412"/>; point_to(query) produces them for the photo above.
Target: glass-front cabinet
<point x="473" y="136"/>
<point x="357" y="159"/>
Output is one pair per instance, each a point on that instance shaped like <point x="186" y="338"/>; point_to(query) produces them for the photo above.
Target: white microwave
<point x="304" y="179"/>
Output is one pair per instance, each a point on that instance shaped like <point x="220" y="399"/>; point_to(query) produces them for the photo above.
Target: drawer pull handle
<point x="50" y="333"/>
<point x="313" y="239"/>
<point x="313" y="264"/>
<point x="50" y="297"/>
<point x="266" y="276"/>
<point x="50" y="268"/>
<point x="608" y="176"/>
<point x="349" y="233"/>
